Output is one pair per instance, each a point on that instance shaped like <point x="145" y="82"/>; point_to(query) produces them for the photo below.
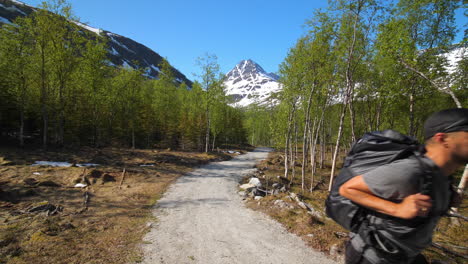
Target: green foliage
<point x="57" y="83"/>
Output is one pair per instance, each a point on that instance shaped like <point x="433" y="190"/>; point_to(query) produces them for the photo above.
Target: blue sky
<point x="182" y="30"/>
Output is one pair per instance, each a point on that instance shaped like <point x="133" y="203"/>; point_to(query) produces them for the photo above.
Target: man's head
<point x="446" y="135"/>
<point x="446" y="121"/>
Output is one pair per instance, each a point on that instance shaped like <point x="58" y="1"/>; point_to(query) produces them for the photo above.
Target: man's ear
<point x="440" y="138"/>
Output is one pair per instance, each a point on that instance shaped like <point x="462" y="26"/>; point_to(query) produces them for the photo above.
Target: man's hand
<point x="414" y="205"/>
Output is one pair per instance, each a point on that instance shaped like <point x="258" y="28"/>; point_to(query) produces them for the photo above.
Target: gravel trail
<point x="202" y="219"/>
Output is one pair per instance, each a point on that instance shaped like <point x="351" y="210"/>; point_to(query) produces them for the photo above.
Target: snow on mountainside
<point x="122" y="51"/>
<point x="248" y="83"/>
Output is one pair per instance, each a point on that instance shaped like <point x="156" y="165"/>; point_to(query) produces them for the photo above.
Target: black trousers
<point x="354" y="257"/>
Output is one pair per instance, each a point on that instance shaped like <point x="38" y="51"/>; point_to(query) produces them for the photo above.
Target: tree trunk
<point x="207" y="134"/>
<point x="45" y="117"/>
<point x="133" y="137"/>
<point x="411" y="131"/>
<point x="352" y="118"/>
<point x="337" y="146"/>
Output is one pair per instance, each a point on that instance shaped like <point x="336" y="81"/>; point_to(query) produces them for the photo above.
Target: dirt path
<point x="201" y="219"/>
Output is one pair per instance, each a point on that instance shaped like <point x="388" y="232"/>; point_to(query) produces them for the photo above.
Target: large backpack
<point x="373" y="150"/>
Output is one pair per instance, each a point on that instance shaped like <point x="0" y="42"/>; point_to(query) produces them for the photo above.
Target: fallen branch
<point x="318" y="184"/>
<point x="457" y="215"/>
<point x="446" y="250"/>
<point x="122" y="179"/>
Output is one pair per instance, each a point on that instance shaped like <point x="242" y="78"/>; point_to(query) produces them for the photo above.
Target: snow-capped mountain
<point x="249" y="83"/>
<point x="122" y="51"/>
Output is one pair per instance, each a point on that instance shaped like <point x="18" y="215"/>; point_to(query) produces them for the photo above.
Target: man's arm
<point x="413" y="205"/>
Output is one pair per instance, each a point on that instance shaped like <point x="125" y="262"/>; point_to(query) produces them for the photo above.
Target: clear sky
<point x="182" y="30"/>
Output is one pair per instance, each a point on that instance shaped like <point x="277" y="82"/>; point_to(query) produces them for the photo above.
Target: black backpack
<point x="373" y="150"/>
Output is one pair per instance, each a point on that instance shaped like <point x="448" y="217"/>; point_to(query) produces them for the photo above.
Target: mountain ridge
<point x="248" y="83"/>
<point x="122" y="51"/>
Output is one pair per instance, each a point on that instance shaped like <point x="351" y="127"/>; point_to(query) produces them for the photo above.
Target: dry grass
<point x="324" y="234"/>
<point x="113" y="224"/>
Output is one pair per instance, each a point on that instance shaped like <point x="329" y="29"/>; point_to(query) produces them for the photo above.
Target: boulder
<point x="247" y="186"/>
<point x="283" y="204"/>
<point x="255" y="182"/>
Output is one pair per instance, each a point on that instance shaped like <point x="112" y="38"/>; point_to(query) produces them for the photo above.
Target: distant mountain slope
<point x="249" y="83"/>
<point x="122" y="51"/>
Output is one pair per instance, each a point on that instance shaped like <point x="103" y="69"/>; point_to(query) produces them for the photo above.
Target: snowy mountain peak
<point x="249" y="83"/>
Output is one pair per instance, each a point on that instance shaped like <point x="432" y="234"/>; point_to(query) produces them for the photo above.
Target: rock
<point x="310" y="235"/>
<point x="276" y="192"/>
<point x="67" y="226"/>
<point x="247" y="186"/>
<point x="283" y="204"/>
<point x="80" y="185"/>
<point x="95" y="174"/>
<point x="48" y="184"/>
<point x="242" y="193"/>
<point x="149" y="225"/>
<point x="315" y="214"/>
<point x="255" y="182"/>
<point x="30" y="181"/>
<point x="341" y="234"/>
<point x="108" y="178"/>
<point x="293" y="196"/>
<point x="334" y="250"/>
<point x="276" y="185"/>
<point x="302" y="205"/>
<point x="44" y="206"/>
<point x="256" y="198"/>
<point x="283" y="189"/>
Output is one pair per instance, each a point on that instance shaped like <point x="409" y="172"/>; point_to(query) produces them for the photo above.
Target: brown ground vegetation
<point x="44" y="219"/>
<point x="324" y="234"/>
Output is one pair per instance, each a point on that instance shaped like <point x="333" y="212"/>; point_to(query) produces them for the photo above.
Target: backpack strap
<point x="427" y="177"/>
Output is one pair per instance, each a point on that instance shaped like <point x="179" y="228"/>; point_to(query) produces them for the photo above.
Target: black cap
<point x="445" y="121"/>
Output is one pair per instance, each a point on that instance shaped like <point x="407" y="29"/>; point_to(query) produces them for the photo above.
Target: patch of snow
<point x="114" y="52"/>
<point x="87" y="165"/>
<point x="95" y="30"/>
<point x="147" y="165"/>
<point x="52" y="163"/>
<point x="111" y="36"/>
<point x="4" y="20"/>
<point x="155" y="68"/>
<point x="62" y="164"/>
<point x="13" y="9"/>
<point x="80" y="185"/>
<point x="126" y="65"/>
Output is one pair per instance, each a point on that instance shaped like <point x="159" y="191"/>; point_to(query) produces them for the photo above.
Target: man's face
<point x="458" y="143"/>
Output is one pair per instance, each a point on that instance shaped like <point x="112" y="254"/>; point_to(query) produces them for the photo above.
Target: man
<point x="401" y="220"/>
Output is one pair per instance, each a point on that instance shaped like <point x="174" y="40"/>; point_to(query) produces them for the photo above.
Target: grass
<point x="323" y="233"/>
<point x="112" y="227"/>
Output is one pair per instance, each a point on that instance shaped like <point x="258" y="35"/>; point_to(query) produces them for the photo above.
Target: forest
<point x="362" y="66"/>
<point x="59" y="89"/>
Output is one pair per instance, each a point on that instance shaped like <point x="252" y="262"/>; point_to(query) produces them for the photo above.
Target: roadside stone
<point x="247" y="186"/>
<point x="255" y="182"/>
<point x="283" y="204"/>
<point x="302" y="205"/>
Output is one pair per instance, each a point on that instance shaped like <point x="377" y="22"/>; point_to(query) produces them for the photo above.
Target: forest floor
<point x="322" y="233"/>
<point x="45" y="219"/>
